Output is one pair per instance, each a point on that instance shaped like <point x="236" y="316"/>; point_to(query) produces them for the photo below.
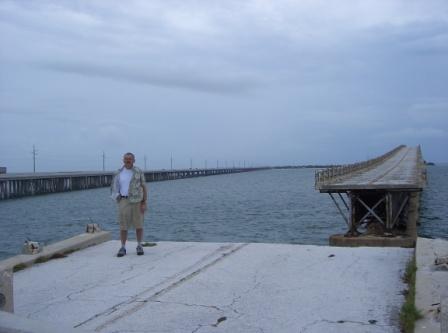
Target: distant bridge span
<point x="29" y="184"/>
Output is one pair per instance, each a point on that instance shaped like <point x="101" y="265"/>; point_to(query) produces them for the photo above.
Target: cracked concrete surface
<point x="216" y="287"/>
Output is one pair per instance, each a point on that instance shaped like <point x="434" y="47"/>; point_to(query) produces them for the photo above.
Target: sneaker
<point x="121" y="252"/>
<point x="140" y="250"/>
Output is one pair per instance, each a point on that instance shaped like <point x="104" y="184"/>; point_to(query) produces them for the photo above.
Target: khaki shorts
<point x="129" y="215"/>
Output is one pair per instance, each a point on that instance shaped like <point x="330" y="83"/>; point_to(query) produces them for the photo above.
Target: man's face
<point x="128" y="161"/>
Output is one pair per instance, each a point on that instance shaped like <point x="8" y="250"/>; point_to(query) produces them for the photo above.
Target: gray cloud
<point x="224" y="83"/>
<point x="276" y="82"/>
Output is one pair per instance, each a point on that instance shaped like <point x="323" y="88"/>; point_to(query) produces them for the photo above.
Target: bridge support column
<point x="413" y="213"/>
<point x="353" y="225"/>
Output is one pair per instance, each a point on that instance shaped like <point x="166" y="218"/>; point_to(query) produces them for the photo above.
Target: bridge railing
<point x="421" y="166"/>
<point x="325" y="176"/>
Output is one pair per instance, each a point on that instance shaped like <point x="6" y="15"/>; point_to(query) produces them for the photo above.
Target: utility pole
<point x="205" y="163"/>
<point x="34" y="152"/>
<point x="217" y="164"/>
<point x="104" y="161"/>
<point x="171" y="161"/>
<point x="145" y="162"/>
<point x="191" y="163"/>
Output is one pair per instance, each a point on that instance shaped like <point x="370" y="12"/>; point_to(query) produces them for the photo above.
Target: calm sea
<point x="272" y="206"/>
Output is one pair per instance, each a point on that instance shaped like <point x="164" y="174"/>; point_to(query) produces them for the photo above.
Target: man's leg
<point x="123" y="216"/>
<point x="139" y="235"/>
<point x="123" y="237"/>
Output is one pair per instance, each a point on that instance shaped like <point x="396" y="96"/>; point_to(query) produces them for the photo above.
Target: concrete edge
<point x="429" y="284"/>
<point x="63" y="247"/>
<point x="11" y="323"/>
<point x="373" y="241"/>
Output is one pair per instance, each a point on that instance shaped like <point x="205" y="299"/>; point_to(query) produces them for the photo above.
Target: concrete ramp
<point x="218" y="287"/>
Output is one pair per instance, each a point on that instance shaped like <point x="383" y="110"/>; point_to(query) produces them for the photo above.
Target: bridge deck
<point x="401" y="171"/>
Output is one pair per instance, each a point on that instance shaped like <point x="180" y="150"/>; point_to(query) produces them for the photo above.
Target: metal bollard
<point x="6" y="291"/>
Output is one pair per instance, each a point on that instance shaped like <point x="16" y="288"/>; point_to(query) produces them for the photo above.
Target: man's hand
<point x="142" y="206"/>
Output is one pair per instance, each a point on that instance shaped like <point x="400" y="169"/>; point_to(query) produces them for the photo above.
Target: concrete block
<point x="6" y="291"/>
<point x="68" y="245"/>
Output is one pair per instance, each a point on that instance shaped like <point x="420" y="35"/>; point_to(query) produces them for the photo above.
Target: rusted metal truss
<point x="363" y="207"/>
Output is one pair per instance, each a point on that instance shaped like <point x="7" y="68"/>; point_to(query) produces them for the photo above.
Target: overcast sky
<point x="265" y="82"/>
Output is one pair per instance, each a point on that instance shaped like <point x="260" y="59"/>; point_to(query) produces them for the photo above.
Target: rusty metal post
<point x="352" y="216"/>
<point x="389" y="211"/>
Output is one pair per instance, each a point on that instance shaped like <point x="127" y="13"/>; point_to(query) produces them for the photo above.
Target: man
<point x="129" y="190"/>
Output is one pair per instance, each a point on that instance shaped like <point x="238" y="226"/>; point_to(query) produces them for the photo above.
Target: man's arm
<point x="114" y="188"/>
<point x="145" y="194"/>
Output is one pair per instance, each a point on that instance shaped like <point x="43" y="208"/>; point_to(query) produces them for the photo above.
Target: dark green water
<point x="434" y="204"/>
<point x="272" y="206"/>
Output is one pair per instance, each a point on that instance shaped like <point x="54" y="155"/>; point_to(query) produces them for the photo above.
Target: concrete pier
<point x="217" y="287"/>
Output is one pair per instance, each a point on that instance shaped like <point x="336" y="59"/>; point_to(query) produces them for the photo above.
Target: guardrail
<point x="324" y="176"/>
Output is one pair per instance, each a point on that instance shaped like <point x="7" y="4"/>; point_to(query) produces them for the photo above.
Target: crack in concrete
<point x="130" y="269"/>
<point x="308" y="326"/>
<point x="169" y="253"/>
<point x="46" y="307"/>
<point x="189" y="305"/>
<point x="346" y="269"/>
<point x="198" y="328"/>
<point x="177" y="279"/>
<point x="218" y="321"/>
<point x="235" y="300"/>
<point x="96" y="285"/>
<point x="128" y="330"/>
<point x="134" y="276"/>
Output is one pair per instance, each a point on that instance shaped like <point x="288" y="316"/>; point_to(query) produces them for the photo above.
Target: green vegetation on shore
<point x="409" y="313"/>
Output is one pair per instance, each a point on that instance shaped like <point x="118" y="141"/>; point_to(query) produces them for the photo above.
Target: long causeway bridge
<point x="28" y="184"/>
<point x="378" y="199"/>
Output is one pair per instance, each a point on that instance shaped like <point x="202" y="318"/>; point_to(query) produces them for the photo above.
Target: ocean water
<point x="271" y="206"/>
<point x="434" y="204"/>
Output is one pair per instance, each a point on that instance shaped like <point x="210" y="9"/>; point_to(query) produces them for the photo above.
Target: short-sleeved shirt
<point x="135" y="191"/>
